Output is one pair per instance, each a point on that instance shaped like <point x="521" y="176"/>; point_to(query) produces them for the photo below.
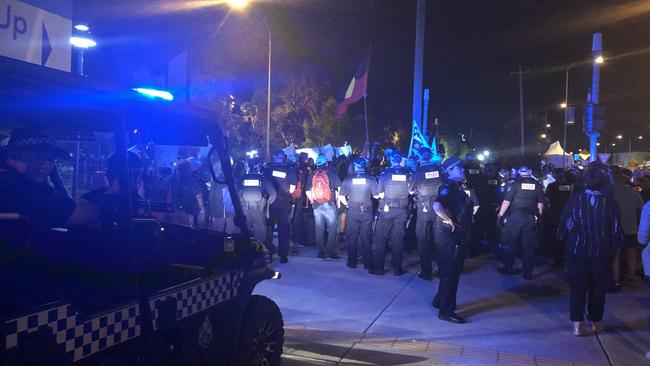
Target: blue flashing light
<point x="155" y="93"/>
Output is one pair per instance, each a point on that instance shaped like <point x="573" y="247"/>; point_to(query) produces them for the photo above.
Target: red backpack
<point x="320" y="188"/>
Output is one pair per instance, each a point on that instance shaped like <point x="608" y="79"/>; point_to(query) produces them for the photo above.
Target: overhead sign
<point x="31" y="34"/>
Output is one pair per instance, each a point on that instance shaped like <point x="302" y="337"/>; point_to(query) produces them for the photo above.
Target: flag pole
<point x="365" y="117"/>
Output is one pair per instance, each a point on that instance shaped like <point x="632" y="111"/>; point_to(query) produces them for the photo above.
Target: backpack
<point x="320" y="187"/>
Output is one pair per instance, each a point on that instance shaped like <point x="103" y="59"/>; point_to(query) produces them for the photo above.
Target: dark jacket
<point x="590" y="225"/>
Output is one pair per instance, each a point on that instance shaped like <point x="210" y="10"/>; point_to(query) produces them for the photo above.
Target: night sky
<point x="470" y="49"/>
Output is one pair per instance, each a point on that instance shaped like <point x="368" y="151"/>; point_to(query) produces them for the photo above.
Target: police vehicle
<point x="149" y="291"/>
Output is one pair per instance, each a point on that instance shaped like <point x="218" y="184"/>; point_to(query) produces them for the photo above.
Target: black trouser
<point x="487" y="218"/>
<point x="256" y="222"/>
<point x="556" y="250"/>
<point x="298" y="223"/>
<point x="424" y="232"/>
<point x="391" y="226"/>
<point x="358" y="231"/>
<point x="450" y="254"/>
<point x="519" y="226"/>
<point x="279" y="214"/>
<point x="589" y="279"/>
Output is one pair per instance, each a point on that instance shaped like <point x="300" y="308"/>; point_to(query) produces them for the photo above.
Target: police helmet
<point x="360" y="164"/>
<point x="279" y="156"/>
<point x="504" y="173"/>
<point x="524" y="170"/>
<point x="469" y="157"/>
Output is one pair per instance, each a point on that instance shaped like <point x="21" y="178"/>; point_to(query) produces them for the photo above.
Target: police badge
<point x="205" y="333"/>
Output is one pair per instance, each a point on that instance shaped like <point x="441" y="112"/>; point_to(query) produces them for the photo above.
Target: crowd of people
<point x="588" y="220"/>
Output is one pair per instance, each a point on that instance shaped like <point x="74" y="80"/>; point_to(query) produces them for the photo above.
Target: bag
<point x="320" y="188"/>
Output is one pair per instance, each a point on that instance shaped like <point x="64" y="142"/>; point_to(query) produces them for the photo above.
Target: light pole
<point x="240" y="5"/>
<point x="565" y="105"/>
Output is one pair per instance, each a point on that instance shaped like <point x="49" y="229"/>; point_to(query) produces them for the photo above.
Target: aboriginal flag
<point x="357" y="88"/>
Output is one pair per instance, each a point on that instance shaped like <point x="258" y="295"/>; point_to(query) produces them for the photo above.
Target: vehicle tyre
<point x="262" y="334"/>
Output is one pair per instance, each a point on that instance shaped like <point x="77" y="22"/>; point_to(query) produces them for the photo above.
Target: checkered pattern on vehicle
<point x="196" y="297"/>
<point x="80" y="338"/>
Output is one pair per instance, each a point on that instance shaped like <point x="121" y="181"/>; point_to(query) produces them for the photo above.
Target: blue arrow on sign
<point x="46" y="48"/>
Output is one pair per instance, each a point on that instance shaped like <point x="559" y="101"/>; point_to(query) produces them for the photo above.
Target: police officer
<point x="284" y="181"/>
<point x="524" y="203"/>
<point x="453" y="209"/>
<point x="256" y="193"/>
<point x="357" y="191"/>
<point x="489" y="201"/>
<point x="557" y="194"/>
<point x="394" y="195"/>
<point x="424" y="186"/>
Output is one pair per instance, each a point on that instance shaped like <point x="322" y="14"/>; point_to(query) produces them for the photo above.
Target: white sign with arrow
<point x="34" y="35"/>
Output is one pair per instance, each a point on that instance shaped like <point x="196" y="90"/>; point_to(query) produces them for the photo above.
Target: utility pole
<point x="419" y="62"/>
<point x="521" y="106"/>
<point x="593" y="98"/>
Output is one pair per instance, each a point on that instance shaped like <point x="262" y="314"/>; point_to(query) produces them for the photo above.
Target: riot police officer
<point x="524" y="203"/>
<point x="424" y="186"/>
<point x="284" y="181"/>
<point x="453" y="209"/>
<point x="394" y="195"/>
<point x="357" y="191"/>
<point x="489" y="200"/>
<point x="256" y="193"/>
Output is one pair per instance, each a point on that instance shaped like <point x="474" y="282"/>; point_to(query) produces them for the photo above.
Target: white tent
<point x="554" y="155"/>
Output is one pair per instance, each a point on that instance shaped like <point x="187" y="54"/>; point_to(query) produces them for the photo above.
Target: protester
<point x="322" y="190"/>
<point x="630" y="204"/>
<point x="589" y="251"/>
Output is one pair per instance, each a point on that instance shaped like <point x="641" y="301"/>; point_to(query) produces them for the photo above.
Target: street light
<point x="640" y="137"/>
<point x="548" y="125"/>
<point x="240" y="5"/>
<point x="563" y="105"/>
<point x="543" y="136"/>
<point x="619" y="137"/>
<point x="599" y="59"/>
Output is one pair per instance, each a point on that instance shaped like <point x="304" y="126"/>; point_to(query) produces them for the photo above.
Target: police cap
<point x="279" y="156"/>
<point x="451" y="161"/>
<point x="395" y="156"/>
<point x="360" y="164"/>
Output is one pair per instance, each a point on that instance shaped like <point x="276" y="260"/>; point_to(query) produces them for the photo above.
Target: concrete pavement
<point x="339" y="316"/>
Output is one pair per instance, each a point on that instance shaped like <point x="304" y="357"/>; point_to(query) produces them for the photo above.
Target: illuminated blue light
<point x="154" y="93"/>
<point x="82" y="42"/>
<point x="82" y="27"/>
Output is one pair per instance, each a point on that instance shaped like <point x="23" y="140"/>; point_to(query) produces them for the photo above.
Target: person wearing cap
<point x="391" y="225"/>
<point x="454" y="210"/>
<point x="25" y="186"/>
<point x="256" y="193"/>
<point x="357" y="191"/>
<point x="524" y="204"/>
<point x="322" y="191"/>
<point x="284" y="181"/>
<point x="424" y="187"/>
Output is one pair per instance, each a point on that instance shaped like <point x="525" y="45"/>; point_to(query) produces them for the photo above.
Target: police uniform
<point x="394" y="183"/>
<point x="281" y="177"/>
<point x="451" y="246"/>
<point x="424" y="185"/>
<point x="558" y="194"/>
<point x="256" y="193"/>
<point x="489" y="200"/>
<point x="359" y="188"/>
<point x="524" y="194"/>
